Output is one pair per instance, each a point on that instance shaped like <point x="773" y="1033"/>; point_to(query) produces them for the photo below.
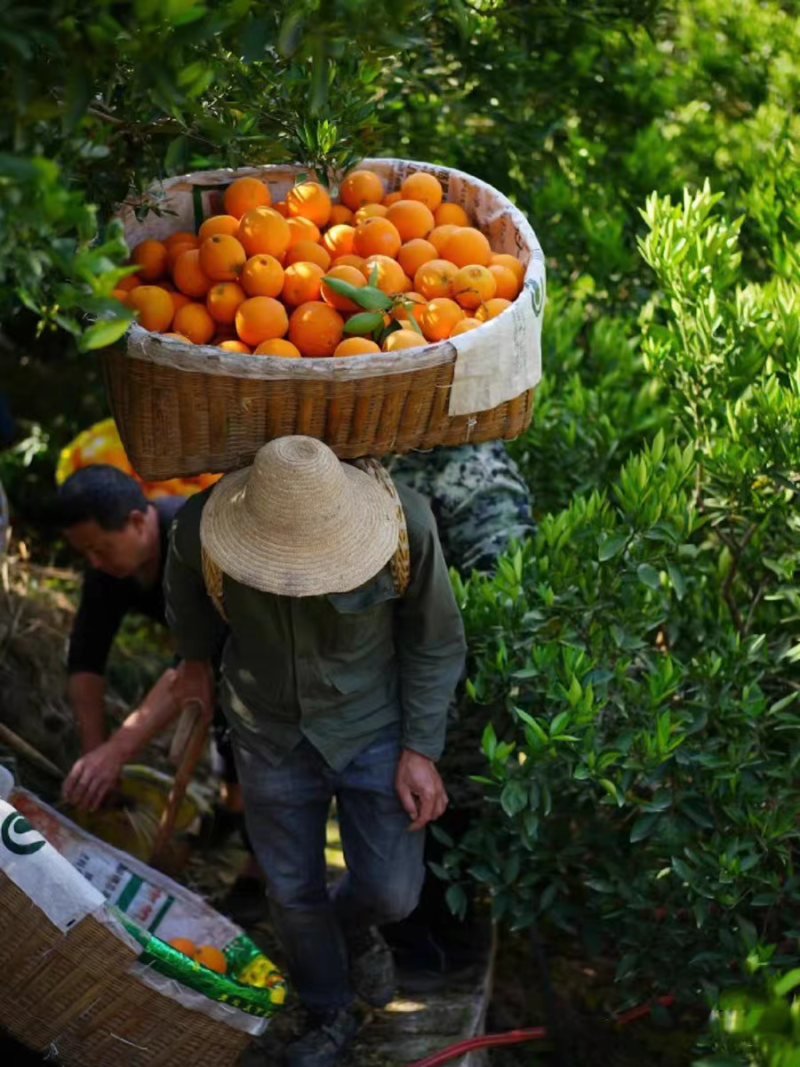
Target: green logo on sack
<point x="14" y="827"/>
<point x="537" y="295"/>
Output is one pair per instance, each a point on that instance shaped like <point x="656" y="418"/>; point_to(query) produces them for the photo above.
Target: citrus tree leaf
<point x="364" y="322"/>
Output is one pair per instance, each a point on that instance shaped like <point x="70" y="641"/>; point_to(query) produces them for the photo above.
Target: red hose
<point x="517" y="1037"/>
<point x="512" y="1037"/>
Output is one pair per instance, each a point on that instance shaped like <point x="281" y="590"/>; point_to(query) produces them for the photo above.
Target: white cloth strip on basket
<point x="501" y="362"/>
<point x="44" y="876"/>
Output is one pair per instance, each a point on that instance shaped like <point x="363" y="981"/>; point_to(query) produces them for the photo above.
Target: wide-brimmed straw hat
<point x="299" y="522"/>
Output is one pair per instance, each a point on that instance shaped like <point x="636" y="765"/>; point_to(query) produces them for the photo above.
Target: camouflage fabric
<point x="478" y="496"/>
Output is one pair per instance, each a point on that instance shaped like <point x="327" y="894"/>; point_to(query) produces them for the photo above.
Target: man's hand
<point x="420" y="789"/>
<point x="93" y="777"/>
<point x="195" y="681"/>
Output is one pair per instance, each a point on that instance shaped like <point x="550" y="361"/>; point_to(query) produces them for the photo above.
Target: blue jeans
<point x="286" y="812"/>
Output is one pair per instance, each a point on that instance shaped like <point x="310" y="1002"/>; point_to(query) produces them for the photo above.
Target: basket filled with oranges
<point x="122" y="956"/>
<point x="401" y="310"/>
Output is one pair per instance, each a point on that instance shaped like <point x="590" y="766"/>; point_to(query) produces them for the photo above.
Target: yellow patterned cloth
<point x="101" y="444"/>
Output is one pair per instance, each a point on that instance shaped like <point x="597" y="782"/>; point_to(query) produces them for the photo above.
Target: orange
<point x="282" y="208"/>
<point x="439" y="235"/>
<point x="223" y="300"/>
<point x="264" y="232"/>
<point x="370" y="211"/>
<point x="376" y="237"/>
<point x="391" y="276"/>
<point x="392" y="198"/>
<point x="450" y="215"/>
<point x="403" y="339"/>
<point x="231" y="345"/>
<point x="212" y="958"/>
<point x="152" y="259"/>
<point x="311" y="200"/>
<point x="347" y="274"/>
<point x="414" y="253"/>
<point x="465" y="326"/>
<point x="506" y="284"/>
<point x="467" y="246"/>
<point x="184" y="945"/>
<point x="180" y="237"/>
<point x="356" y="346"/>
<point x="174" y="251"/>
<point x="349" y="261"/>
<point x="438" y="318"/>
<point x="222" y="258"/>
<point x="491" y="309"/>
<point x="130" y="281"/>
<point x="121" y="295"/>
<point x="308" y="252"/>
<point x="338" y="240"/>
<point x="188" y="275"/>
<point x="177" y="337"/>
<point x="401" y="313"/>
<point x="154" y="305"/>
<point x="340" y="215"/>
<point x="472" y="285"/>
<point x="316" y="329"/>
<point x="180" y="300"/>
<point x="301" y="283"/>
<point x="435" y="278"/>
<point x="226" y="224"/>
<point x="278" y="347"/>
<point x="411" y="218"/>
<point x="502" y="259"/>
<point x="361" y="187"/>
<point x="244" y="194"/>
<point x="260" y="318"/>
<point x="194" y="322"/>
<point x="301" y="229"/>
<point x="423" y="187"/>
<point x="262" y="276"/>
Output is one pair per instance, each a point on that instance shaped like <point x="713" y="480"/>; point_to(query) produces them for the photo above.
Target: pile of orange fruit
<point x="255" y="278"/>
<point x="206" y="955"/>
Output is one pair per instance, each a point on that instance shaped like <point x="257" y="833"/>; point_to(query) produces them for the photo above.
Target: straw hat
<point x="299" y="522"/>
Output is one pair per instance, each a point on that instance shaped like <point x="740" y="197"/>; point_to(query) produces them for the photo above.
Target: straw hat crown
<point x="299" y="522"/>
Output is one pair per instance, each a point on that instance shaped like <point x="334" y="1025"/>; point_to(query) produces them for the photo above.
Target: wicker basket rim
<point x="207" y="359"/>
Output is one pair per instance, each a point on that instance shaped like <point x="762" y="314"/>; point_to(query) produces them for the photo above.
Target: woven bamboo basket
<point x="184" y="409"/>
<point x="81" y="995"/>
<point x="75" y="996"/>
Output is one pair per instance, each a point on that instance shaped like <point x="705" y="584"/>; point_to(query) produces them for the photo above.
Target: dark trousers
<point x="286" y="810"/>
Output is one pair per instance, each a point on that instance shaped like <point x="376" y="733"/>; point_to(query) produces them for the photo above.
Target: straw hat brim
<point x="298" y="562"/>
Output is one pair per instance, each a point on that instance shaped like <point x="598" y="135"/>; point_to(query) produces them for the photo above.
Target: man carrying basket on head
<point x="344" y="647"/>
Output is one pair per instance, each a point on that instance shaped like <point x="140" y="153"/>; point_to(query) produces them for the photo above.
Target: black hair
<point x="99" y="493"/>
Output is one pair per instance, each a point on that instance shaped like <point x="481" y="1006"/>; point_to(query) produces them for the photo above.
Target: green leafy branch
<point x="376" y="305"/>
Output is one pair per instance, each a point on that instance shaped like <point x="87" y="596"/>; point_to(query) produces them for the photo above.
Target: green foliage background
<point x="634" y="667"/>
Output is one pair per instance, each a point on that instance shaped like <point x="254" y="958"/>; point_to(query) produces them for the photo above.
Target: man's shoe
<point x="246" y="901"/>
<point x="371" y="967"/>
<point x="326" y="1040"/>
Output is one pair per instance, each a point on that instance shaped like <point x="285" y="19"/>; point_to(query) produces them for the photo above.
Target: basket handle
<point x="188" y="743"/>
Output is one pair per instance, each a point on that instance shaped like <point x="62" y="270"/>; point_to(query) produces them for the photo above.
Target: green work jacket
<point x="334" y="669"/>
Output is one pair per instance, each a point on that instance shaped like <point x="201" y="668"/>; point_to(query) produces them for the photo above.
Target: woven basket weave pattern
<point x="75" y="994"/>
<point x="184" y="409"/>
